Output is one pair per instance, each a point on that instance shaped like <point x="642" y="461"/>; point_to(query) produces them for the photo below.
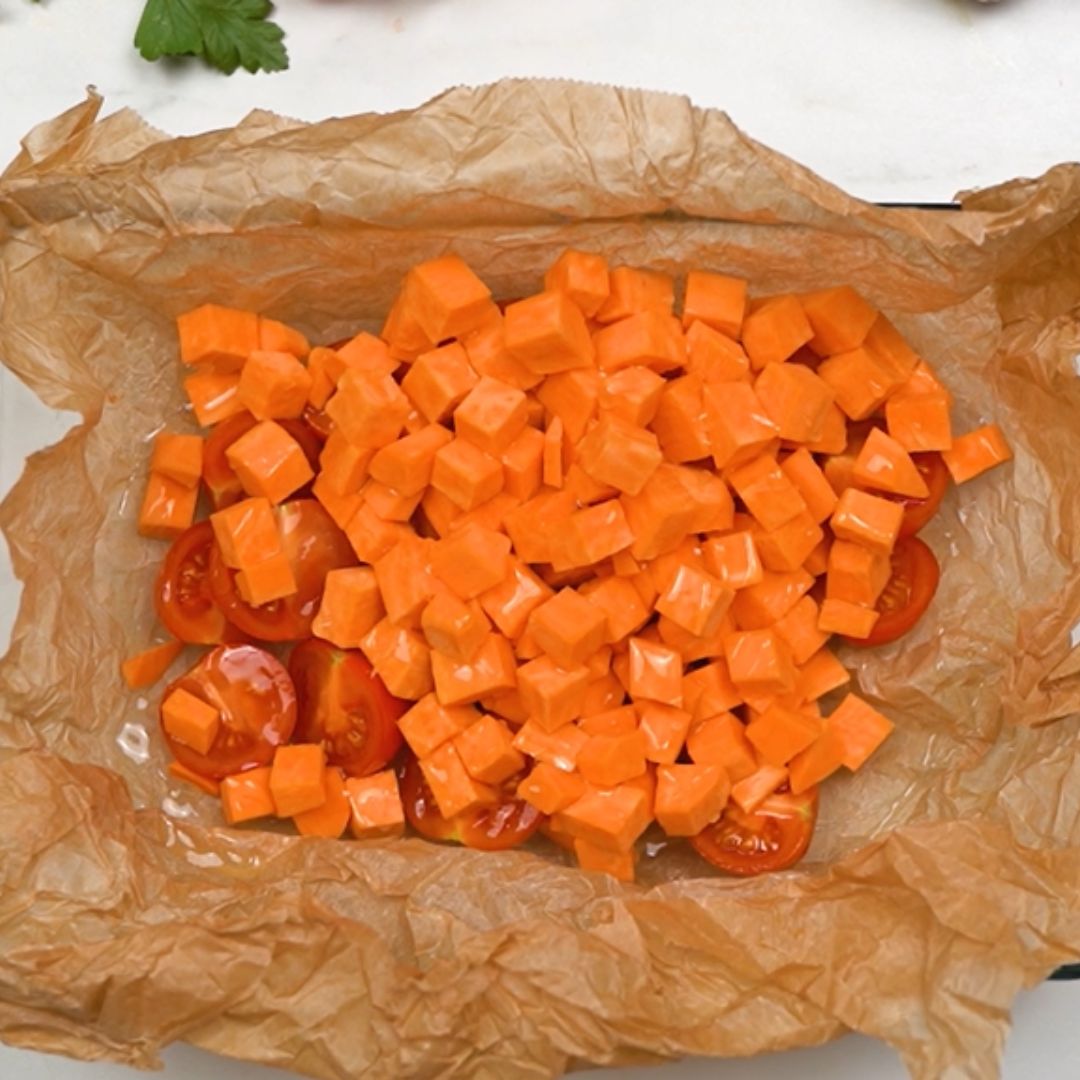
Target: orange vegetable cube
<point x="405" y="465"/>
<point x="833" y="433"/>
<point x="213" y="395"/>
<point x="774" y="331"/>
<point x="389" y="504"/>
<point x="603" y="693"/>
<point x="883" y="464"/>
<point x="405" y="579"/>
<point x="547" y="333"/>
<point x="733" y="559"/>
<point x="341" y="508"/>
<point x="351" y="605"/>
<point x="298" y="778"/>
<point x="661" y="514"/>
<point x="632" y="393"/>
<point x="402" y="331"/>
<point x="975" y="452"/>
<point x="454" y="789"/>
<point x="920" y="381"/>
<point x="491" y="415"/>
<point x="840" y="317"/>
<point x="720" y="739"/>
<point x="610" y="818"/>
<point x="617" y="453"/>
<point x="714" y="508"/>
<point x="146" y="667"/>
<point x="817" y="562"/>
<point x="400" y="657"/>
<point x="607" y="760"/>
<point x="919" y="423"/>
<point x="553" y="695"/>
<point x="466" y="475"/>
<point x="323" y="366"/>
<point x="616" y="864"/>
<point x="428" y="724"/>
<point x="371" y="536"/>
<point x="816" y="763"/>
<point x="757" y="607"/>
<point x="695" y="600"/>
<point x="274" y="385"/>
<point x="632" y="289"/>
<point x="717" y="300"/>
<point x="366" y="353"/>
<point x="168" y="508"/>
<point x="178" y="457"/>
<point x="655" y="672"/>
<point x="439" y="380"/>
<point x="190" y="720"/>
<point x="778" y="734"/>
<point x="553" y="459"/>
<point x="750" y="792"/>
<point x="859" y="728"/>
<point x="332" y="818"/>
<point x="488" y="355"/>
<point x="246" y="796"/>
<point x="571" y="396"/>
<point x="856" y="574"/>
<point x="453" y="627"/>
<point x="491" y="669"/>
<point x="558" y="746"/>
<point x="664" y="729"/>
<point x="269" y="462"/>
<point x="860" y="381"/>
<point x="810" y="482"/>
<point x="615" y="721"/>
<point x="246" y="533"/>
<point x="652" y="339"/>
<point x="583" y="276"/>
<point x="375" y="809"/>
<point x="550" y="789"/>
<point x="739" y="426"/>
<point x="506" y="704"/>
<point x="568" y="628"/>
<point x="517" y="595"/>
<point x="619" y="603"/>
<point x="681" y="423"/>
<point x="798" y="629"/>
<point x="535" y="525"/>
<point x="767" y="492"/>
<point x="788" y="547"/>
<point x="867" y="519"/>
<point x="708" y="690"/>
<point x="522" y="463"/>
<point x="276" y="336"/>
<point x="472" y="560"/>
<point x="344" y="467"/>
<point x="759" y="662"/>
<point x="689" y="797"/>
<point x="888" y="344"/>
<point x="597" y="532"/>
<point x="795" y="399"/>
<point x="843" y="617"/>
<point x="447" y="298"/>
<point x="820" y="674"/>
<point x="266" y="581"/>
<point x="486" y="749"/>
<point x="368" y="409"/>
<point x="219" y="335"/>
<point x="713" y="356"/>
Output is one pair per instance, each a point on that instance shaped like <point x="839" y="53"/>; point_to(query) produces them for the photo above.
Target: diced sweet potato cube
<point x="976" y="451"/>
<point x="739" y="426"/>
<point x="681" y="423"/>
<point x="269" y="462"/>
<point x="810" y="482"/>
<point x="510" y="602"/>
<point x="867" y="519"/>
<point x="486" y="749"/>
<point x="750" y="792"/>
<point x="491" y="415"/>
<point x="492" y="668"/>
<point x="365" y="352"/>
<point x="717" y="300"/>
<point x="774" y="331"/>
<point x="370" y="536"/>
<point x="559" y="746"/>
<point x="655" y="672"/>
<point x="816" y="763"/>
<point x="298" y="778"/>
<point x="332" y="817"/>
<point x="610" y="818"/>
<point x="733" y="559"/>
<point x="889" y="345"/>
<point x="884" y="465"/>
<point x="617" y="453"/>
<point x="788" y="547"/>
<point x="472" y="560"/>
<point x="351" y="605"/>
<point x="263" y="582"/>
<point x="405" y="579"/>
<point x="708" y="690"/>
<point x="843" y="617"/>
<point x="619" y="602"/>
<point x="219" y="335"/>
<point x="714" y="356"/>
<point x="401" y="331"/>
<point x="720" y="739"/>
<point x="550" y="789"/>
<point x="553" y="695"/>
<point x="246" y="796"/>
<point x="168" y="508"/>
<point x="840" y="317"/>
<point x="548" y="333"/>
<point x="612" y="722"/>
<point x="406" y="464"/>
<point x="661" y="514"/>
<point x="534" y="525"/>
<point x="488" y="355"/>
<point x="689" y="797"/>
<point x="466" y="475"/>
<point x="522" y="464"/>
<point x="246" y="533"/>
<point x="453" y="627"/>
<point x="553" y="461"/>
<point x="506" y="704"/>
<point x="274" y="385"/>
<point x="344" y="467"/>
<point x="632" y="393"/>
<point x="389" y="504"/>
<point x="375" y="809"/>
<point x="368" y="409"/>
<point x="759" y="662"/>
<point x="598" y="532"/>
<point x="572" y="397"/>
<point x="795" y="399"/>
<point x="190" y="720"/>
<point x="778" y="734"/>
<point x="820" y="674"/>
<point x="757" y="607"/>
<point x="919" y="423"/>
<point x="488" y="515"/>
<point x="607" y="760"/>
<point x="583" y="276"/>
<point x="652" y="339"/>
<point x="604" y="693"/>
<point x="213" y="395"/>
<point x="695" y="600"/>
<point x="714" y="507"/>
<point x="455" y="791"/>
<point x="178" y="457"/>
<point x="447" y="298"/>
<point x="428" y="724"/>
<point x="400" y="657"/>
<point x="856" y="574"/>
<point x="597" y="860"/>
<point x="767" y="492"/>
<point x="799" y="630"/>
<point x="439" y="380"/>
<point x="859" y="379"/>
<point x="859" y="728"/>
<point x="664" y="729"/>
<point x="633" y="289"/>
<point x="341" y="508"/>
<point x="568" y="628"/>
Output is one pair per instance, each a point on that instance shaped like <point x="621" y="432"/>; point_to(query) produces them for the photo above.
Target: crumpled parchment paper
<point x="943" y="878"/>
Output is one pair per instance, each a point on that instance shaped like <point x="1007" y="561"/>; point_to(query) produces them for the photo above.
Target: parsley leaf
<point x="226" y="33"/>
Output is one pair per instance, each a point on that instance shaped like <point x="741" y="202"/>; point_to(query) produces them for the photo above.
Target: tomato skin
<point x="774" y="837"/>
<point x="919" y="512"/>
<point x="498" y="827"/>
<point x="343" y="704"/>
<point x="319" y="423"/>
<point x="183" y="599"/>
<point x="315" y="546"/>
<point x="256" y="700"/>
<point x="915" y="577"/>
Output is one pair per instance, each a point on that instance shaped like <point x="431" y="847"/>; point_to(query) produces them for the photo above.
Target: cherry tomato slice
<point x="773" y="837"/>
<point x="182" y="597"/>
<point x="314" y="546"/>
<point x="502" y="825"/>
<point x="255" y="698"/>
<point x="218" y="475"/>
<point x="915" y="577"/>
<point x="343" y="704"/>
<point x="918" y="512"/>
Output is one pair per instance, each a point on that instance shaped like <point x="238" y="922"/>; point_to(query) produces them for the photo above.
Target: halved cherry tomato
<point x="503" y="824"/>
<point x="218" y="475"/>
<point x="773" y="837"/>
<point x="314" y="546"/>
<point x="256" y="701"/>
<point x="918" y="512"/>
<point x="343" y="704"/>
<point x="915" y="576"/>
<point x="182" y="597"/>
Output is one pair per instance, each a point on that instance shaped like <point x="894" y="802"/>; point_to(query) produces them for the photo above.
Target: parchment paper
<point x="944" y="877"/>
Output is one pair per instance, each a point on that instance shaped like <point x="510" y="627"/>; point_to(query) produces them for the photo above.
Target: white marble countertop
<point x="898" y="100"/>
